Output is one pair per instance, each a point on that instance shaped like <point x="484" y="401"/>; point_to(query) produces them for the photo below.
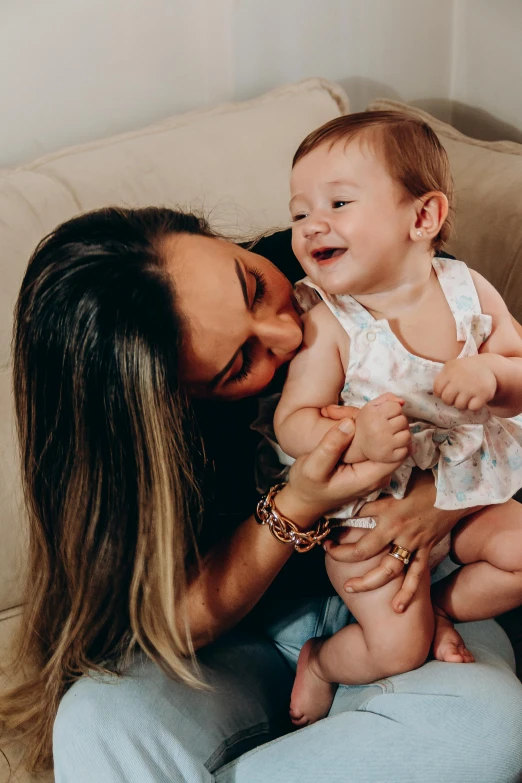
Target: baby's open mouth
<point x="326" y="253"/>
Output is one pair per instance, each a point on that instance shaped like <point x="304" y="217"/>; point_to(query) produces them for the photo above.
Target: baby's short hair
<point x="412" y="153"/>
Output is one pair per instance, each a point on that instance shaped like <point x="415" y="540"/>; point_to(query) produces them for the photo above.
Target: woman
<point x="127" y="322"/>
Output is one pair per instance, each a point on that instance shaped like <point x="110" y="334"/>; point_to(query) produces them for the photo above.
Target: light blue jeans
<point x="443" y="723"/>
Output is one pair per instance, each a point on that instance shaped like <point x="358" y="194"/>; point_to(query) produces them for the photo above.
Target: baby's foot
<point x="448" y="644"/>
<point x="311" y="696"/>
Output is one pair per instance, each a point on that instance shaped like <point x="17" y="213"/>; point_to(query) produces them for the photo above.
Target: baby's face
<point x="351" y="221"/>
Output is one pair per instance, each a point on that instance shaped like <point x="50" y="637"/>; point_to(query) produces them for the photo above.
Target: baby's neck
<point x="405" y="291"/>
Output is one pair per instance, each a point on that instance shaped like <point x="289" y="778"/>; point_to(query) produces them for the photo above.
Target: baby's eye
<point x="337" y="204"/>
<point x="299" y="216"/>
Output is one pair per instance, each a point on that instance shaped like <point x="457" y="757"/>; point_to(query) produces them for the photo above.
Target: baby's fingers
<point x="337" y="412"/>
<point x="399" y="424"/>
<point x="476" y="403"/>
<point x="400" y="454"/>
<point x="387" y="397"/>
<point x="412" y="580"/>
<point x="462" y="400"/>
<point x="401" y="438"/>
<point x="439" y="384"/>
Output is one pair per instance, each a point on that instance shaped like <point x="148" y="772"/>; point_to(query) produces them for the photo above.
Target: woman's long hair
<point x="106" y="440"/>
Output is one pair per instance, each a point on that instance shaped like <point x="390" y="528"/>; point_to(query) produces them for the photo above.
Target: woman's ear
<point x="431" y="212"/>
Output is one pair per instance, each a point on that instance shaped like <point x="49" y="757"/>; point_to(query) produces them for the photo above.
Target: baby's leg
<point x="382" y="644"/>
<point x="489" y="544"/>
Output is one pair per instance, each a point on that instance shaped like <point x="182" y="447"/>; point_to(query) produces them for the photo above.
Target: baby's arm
<point x="494" y="377"/>
<point x="315" y="380"/>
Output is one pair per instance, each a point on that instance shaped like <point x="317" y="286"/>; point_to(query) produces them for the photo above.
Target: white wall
<point x="487" y="68"/>
<point x="374" y="48"/>
<point x="75" y="70"/>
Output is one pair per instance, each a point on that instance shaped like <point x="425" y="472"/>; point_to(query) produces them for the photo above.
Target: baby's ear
<point x="431" y="212"/>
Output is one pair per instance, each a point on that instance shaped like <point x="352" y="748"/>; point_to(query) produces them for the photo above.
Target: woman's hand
<point x="318" y="481"/>
<point x="413" y="523"/>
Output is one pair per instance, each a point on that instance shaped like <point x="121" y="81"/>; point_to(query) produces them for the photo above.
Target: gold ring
<point x="400" y="553"/>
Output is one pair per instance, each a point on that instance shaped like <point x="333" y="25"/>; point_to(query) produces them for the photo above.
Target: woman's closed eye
<point x="246" y="365"/>
<point x="246" y="351"/>
<point x="260" y="289"/>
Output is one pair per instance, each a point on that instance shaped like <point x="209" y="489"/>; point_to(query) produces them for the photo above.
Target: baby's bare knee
<point x="405" y="654"/>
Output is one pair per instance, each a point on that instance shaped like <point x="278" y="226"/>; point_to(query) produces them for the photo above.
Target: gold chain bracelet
<point x="284" y="529"/>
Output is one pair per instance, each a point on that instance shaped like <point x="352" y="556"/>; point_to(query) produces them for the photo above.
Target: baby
<point x="425" y="351"/>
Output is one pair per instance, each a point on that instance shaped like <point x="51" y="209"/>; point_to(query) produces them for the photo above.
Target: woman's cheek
<point x="262" y="374"/>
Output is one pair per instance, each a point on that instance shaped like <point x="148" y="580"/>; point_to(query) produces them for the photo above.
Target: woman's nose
<point x="280" y="334"/>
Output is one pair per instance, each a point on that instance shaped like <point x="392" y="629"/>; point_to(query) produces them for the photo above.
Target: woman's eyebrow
<point x="240" y="272"/>
<point x="221" y="374"/>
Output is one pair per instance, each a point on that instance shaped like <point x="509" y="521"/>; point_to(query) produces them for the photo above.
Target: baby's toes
<point x="467" y="656"/>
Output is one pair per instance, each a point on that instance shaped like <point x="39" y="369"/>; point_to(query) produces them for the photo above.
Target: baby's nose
<point x="315" y="223"/>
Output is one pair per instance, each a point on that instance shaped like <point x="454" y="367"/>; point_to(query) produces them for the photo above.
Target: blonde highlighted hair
<point x="107" y="445"/>
<point x="410" y="150"/>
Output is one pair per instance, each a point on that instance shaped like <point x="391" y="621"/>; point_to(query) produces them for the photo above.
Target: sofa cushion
<point x="488" y="189"/>
<point x="231" y="161"/>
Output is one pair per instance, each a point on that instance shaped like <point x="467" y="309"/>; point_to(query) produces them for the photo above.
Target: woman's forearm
<point x="232" y="579"/>
<point x="237" y="572"/>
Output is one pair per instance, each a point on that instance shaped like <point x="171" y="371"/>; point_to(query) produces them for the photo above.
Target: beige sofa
<point x="231" y="162"/>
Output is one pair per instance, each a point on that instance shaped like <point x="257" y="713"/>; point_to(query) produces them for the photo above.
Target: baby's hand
<point x="466" y="383"/>
<point x="382" y="433"/>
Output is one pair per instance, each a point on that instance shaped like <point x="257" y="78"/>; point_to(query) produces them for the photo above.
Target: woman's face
<point x="240" y="314"/>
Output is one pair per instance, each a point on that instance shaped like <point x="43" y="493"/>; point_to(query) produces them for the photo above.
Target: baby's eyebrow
<point x="346" y="182"/>
<point x="294" y="198"/>
<point x="333" y="183"/>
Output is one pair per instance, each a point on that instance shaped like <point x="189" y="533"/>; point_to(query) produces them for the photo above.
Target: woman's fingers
<point x="389" y="568"/>
<point x="370" y="544"/>
<point x="322" y="461"/>
<point x="374" y="508"/>
<point x="414" y="574"/>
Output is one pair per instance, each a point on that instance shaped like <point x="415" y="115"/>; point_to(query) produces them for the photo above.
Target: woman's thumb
<point x="347" y="426"/>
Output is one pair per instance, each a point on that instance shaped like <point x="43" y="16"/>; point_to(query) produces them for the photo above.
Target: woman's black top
<point x="230" y="449"/>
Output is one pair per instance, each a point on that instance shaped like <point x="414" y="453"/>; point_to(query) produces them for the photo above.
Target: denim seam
<point x="322" y="615"/>
<point x="215" y="761"/>
<point x="383" y="685"/>
<point x="386" y="685"/>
